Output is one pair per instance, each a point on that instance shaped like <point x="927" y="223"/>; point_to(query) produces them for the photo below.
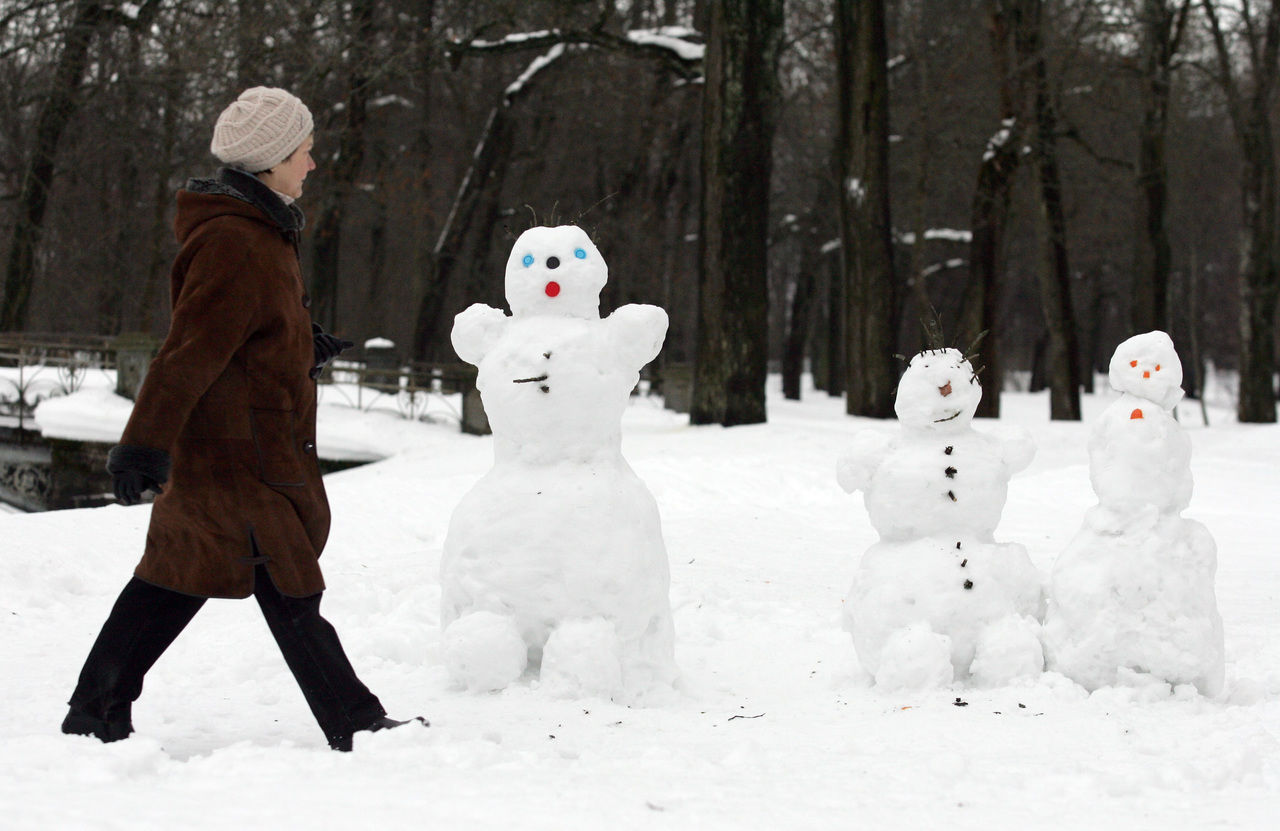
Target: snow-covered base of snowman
<point x="938" y="600"/>
<point x="1132" y="596"/>
<point x="937" y="610"/>
<point x="569" y="580"/>
<point x="554" y="564"/>
<point x="1135" y="596"/>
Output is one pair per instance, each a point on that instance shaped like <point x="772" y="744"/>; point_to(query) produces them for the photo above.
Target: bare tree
<point x="87" y="16"/>
<point x="1062" y="350"/>
<point x="990" y="209"/>
<point x="346" y="160"/>
<point x="862" y="159"/>
<point x="744" y="39"/>
<point x="1250" y="96"/>
<point x="1160" y="28"/>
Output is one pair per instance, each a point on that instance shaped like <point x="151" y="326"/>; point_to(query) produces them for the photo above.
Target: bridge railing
<point x="36" y="366"/>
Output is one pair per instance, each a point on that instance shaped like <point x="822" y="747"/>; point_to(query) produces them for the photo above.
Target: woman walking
<point x="224" y="430"/>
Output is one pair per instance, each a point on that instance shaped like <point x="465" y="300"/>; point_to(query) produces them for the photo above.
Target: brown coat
<point x="230" y="397"/>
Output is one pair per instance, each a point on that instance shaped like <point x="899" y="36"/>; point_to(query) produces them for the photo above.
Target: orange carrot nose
<point x="1135" y="414"/>
<point x="1146" y="375"/>
<point x="945" y="390"/>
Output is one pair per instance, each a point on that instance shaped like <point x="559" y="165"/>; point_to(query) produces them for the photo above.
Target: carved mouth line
<point x="529" y="380"/>
<point x="956" y="414"/>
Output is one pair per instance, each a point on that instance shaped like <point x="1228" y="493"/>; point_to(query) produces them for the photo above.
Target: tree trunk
<point x="1259" y="257"/>
<point x="342" y="173"/>
<point x="1260" y="273"/>
<point x="990" y="210"/>
<point x="835" y="338"/>
<point x="1160" y="25"/>
<point x="162" y="197"/>
<point x="1062" y="355"/>
<point x="739" y="110"/>
<point x="862" y="159"/>
<point x="56" y="111"/>
<point x="793" y="350"/>
<point x="475" y="205"/>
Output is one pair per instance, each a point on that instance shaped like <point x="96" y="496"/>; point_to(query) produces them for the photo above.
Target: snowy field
<point x="775" y="726"/>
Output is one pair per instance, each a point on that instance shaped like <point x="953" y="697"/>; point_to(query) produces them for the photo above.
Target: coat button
<point x="306" y="301"/>
<point x="309" y="446"/>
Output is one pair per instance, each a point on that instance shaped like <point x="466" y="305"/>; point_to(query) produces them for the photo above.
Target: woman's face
<point x="287" y="177"/>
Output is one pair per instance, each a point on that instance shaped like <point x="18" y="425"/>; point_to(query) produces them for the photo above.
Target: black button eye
<point x="553" y="262"/>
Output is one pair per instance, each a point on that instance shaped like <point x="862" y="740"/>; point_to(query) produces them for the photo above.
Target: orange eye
<point x="1157" y="367"/>
<point x="1133" y="363"/>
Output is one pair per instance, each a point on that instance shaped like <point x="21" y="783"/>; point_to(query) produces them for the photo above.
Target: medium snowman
<point x="937" y="600"/>
<point x="555" y="560"/>
<point x="1132" y="595"/>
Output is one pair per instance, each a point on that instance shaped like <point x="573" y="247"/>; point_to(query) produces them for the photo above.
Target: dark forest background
<point x="795" y="183"/>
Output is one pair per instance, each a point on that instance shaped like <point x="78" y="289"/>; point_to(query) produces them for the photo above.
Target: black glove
<point x="327" y="346"/>
<point x="136" y="469"/>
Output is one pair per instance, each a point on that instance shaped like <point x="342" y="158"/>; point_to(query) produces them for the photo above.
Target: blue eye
<point x="579" y="253"/>
<point x="528" y="260"/>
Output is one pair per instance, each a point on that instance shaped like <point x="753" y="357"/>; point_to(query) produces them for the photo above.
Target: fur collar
<point x="249" y="188"/>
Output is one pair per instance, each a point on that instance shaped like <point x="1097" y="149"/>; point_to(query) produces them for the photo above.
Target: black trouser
<point x="147" y="618"/>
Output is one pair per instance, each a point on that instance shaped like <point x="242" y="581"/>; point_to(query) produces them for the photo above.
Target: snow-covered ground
<point x="775" y="725"/>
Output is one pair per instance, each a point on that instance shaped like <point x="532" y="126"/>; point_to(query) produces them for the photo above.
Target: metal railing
<point x="413" y="385"/>
<point x="36" y="366"/>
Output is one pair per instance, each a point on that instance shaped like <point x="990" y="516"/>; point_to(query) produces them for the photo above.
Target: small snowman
<point x="555" y="559"/>
<point x="1132" y="595"/>
<point x="937" y="600"/>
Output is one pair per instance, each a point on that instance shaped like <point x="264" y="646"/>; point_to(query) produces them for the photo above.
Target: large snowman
<point x="1132" y="595"/>
<point x="937" y="600"/>
<point x="555" y="559"/>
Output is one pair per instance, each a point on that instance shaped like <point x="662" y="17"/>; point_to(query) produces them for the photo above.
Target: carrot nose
<point x="1146" y="375"/>
<point x="945" y="390"/>
<point x="1135" y="414"/>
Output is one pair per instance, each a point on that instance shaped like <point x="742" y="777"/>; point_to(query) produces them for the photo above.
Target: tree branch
<point x="1074" y="135"/>
<point x="682" y="56"/>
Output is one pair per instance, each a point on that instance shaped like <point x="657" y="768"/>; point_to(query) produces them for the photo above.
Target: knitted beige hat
<point x="260" y="129"/>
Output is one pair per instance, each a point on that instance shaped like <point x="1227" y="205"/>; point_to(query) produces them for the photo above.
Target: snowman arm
<point x="1018" y="449"/>
<point x="856" y="465"/>
<point x="475" y="330"/>
<point x="635" y="333"/>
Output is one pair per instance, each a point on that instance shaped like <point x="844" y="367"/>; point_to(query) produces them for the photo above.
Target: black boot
<point x="343" y="742"/>
<point x="143" y="622"/>
<point x="113" y="728"/>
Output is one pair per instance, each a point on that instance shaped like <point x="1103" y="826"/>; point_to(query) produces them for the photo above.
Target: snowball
<point x="475" y="330"/>
<point x="915" y="658"/>
<point x="1007" y="649"/>
<point x="581" y="660"/>
<point x="1136" y="597"/>
<point x="483" y="651"/>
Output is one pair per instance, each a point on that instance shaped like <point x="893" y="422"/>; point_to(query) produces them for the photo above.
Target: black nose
<point x="553" y="262"/>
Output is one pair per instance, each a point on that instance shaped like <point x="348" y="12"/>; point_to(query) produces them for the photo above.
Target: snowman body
<point x="937" y="599"/>
<point x="1132" y="595"/>
<point x="555" y="559"/>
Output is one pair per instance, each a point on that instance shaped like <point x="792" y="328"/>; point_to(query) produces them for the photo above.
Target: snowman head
<point x="1147" y="366"/>
<point x="557" y="272"/>
<point x="939" y="391"/>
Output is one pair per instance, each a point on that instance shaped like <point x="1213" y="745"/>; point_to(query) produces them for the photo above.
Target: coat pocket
<point x="279" y="461"/>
